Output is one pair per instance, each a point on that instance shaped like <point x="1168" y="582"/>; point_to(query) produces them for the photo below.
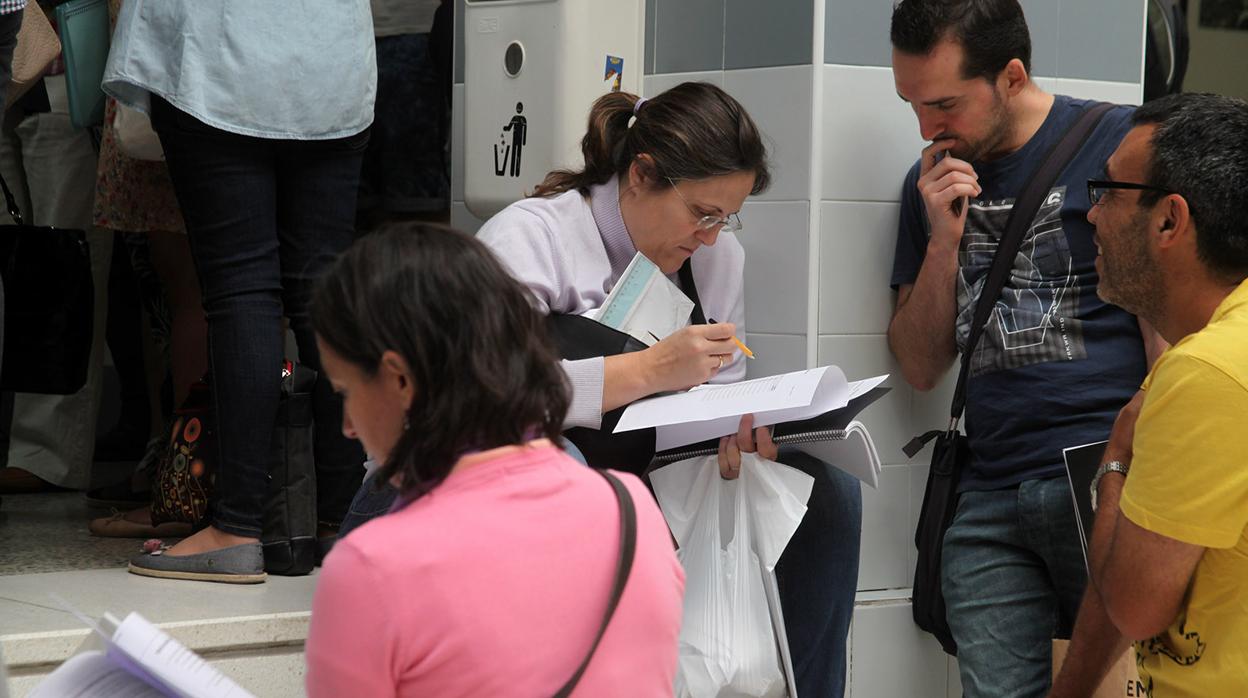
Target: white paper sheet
<point x="171" y="662"/>
<point x="93" y="675"/>
<point x="786" y="394"/>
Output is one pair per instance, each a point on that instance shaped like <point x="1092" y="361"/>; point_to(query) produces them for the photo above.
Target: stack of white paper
<point x="135" y="658"/>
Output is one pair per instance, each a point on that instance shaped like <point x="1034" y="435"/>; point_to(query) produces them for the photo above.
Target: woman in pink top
<point x="492" y="575"/>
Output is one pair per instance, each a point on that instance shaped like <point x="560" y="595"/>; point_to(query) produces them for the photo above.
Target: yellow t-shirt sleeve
<point x="1189" y="471"/>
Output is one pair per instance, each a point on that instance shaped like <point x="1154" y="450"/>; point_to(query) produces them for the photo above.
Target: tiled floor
<point x="48" y="533"/>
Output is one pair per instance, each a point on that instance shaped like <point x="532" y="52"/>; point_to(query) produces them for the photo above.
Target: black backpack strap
<point x="623" y="565"/>
<point x="1024" y="210"/>
<point x="697" y="317"/>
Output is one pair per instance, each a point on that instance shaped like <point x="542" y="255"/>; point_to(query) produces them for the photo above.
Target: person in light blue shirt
<point x="297" y="70"/>
<point x="263" y="111"/>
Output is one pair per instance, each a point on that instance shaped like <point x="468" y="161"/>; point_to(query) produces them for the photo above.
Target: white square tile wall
<point x="930" y="410"/>
<point x="652" y="85"/>
<point x="774" y="354"/>
<point x="776" y="239"/>
<point x="870" y="136"/>
<point x="1045" y="83"/>
<point x="855" y="262"/>
<point x="955" y="679"/>
<point x="1118" y="92"/>
<point x="779" y="101"/>
<point x="886" y="539"/>
<point x="891" y="658"/>
<point x="888" y="419"/>
<point x="917" y="473"/>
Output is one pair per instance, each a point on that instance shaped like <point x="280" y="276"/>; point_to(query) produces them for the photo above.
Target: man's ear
<point x="1173" y="222"/>
<point x="1014" y="77"/>
<point x="396" y="376"/>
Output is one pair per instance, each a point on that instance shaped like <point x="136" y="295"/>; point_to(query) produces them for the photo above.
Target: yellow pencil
<point x="744" y="349"/>
<point x="740" y="345"/>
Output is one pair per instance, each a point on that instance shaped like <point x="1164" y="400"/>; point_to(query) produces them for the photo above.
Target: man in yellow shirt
<point x="1169" y="553"/>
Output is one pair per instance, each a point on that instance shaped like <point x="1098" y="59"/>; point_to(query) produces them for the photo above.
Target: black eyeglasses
<point x="1098" y="187"/>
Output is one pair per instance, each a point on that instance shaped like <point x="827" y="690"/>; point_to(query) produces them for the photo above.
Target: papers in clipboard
<point x="710" y="411"/>
<point x="644" y="303"/>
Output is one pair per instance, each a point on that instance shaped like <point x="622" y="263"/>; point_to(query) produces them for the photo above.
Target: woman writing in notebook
<point x="468" y="588"/>
<point x="666" y="177"/>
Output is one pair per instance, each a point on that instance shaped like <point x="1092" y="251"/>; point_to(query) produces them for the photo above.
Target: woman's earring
<point x="407" y="423"/>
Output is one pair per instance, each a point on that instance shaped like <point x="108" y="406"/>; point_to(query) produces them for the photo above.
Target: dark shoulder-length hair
<point x="485" y="371"/>
<point x="692" y="131"/>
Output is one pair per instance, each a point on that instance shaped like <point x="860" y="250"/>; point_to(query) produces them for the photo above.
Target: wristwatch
<point x="1113" y="466"/>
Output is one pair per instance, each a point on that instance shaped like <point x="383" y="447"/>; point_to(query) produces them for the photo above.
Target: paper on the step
<point x="855" y="454"/>
<point x="644" y="302"/>
<point x="134" y="658"/>
<point x="93" y="675"/>
<point x="171" y="662"/>
<point x="710" y="411"/>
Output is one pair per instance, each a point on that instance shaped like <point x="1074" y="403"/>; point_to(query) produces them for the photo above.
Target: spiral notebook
<point x="834" y="437"/>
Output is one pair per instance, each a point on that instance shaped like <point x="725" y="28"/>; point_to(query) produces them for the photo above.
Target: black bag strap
<point x="14" y="211"/>
<point x="1024" y="210"/>
<point x="697" y="317"/>
<point x="623" y="565"/>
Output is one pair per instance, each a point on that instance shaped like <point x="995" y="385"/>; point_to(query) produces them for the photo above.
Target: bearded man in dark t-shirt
<point x="1054" y="364"/>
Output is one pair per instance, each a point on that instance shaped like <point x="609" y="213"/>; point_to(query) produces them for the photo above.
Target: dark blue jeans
<point x="265" y="217"/>
<point x="818" y="577"/>
<point x="1013" y="576"/>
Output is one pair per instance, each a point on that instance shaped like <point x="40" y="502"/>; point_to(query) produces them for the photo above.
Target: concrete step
<point x="254" y="634"/>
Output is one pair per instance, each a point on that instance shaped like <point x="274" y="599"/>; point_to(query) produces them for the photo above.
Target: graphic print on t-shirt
<point x="1034" y="320"/>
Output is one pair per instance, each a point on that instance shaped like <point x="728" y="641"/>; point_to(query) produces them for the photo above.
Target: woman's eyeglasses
<point x="730" y="224"/>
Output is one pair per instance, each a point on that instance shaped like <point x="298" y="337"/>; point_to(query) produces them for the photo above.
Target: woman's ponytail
<point x="692" y="131"/>
<point x="608" y="125"/>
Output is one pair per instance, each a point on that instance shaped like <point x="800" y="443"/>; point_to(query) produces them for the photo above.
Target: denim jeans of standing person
<point x="1013" y="576"/>
<point x="265" y="217"/>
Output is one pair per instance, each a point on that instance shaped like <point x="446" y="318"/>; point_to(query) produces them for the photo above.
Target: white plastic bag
<point x="730" y="533"/>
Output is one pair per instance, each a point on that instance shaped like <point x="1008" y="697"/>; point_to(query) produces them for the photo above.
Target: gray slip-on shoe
<point x="237" y="564"/>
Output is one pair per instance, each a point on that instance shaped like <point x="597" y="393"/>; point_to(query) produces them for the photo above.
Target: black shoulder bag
<point x="623" y="565"/>
<point x="578" y="337"/>
<point x="951" y="452"/>
<point x="48" y="306"/>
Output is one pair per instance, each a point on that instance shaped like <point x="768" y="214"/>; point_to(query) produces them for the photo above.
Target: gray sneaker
<point x="237" y="564"/>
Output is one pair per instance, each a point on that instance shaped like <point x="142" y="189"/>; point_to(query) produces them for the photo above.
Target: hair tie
<point x="637" y="105"/>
